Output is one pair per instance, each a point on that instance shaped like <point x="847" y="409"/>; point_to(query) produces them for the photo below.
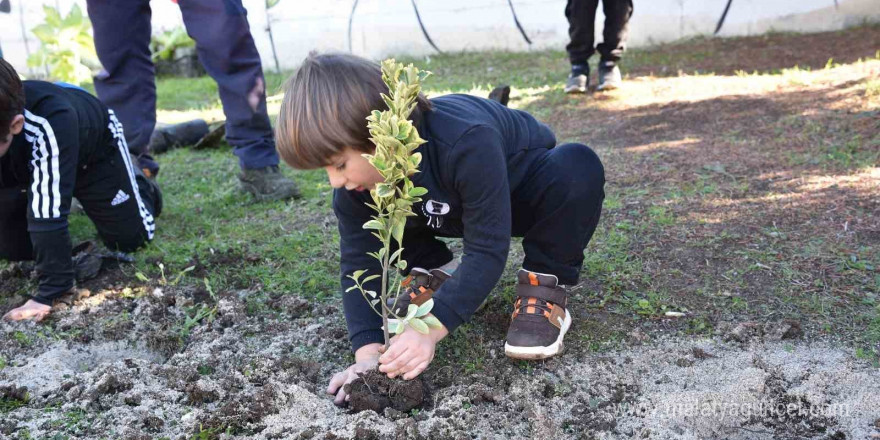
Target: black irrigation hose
<point x="422" y="25"/>
<point x="350" y="19"/>
<point x="516" y="20"/>
<point x="723" y="16"/>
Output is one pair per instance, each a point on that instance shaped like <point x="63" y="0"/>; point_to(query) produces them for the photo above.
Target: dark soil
<point x="375" y="391"/>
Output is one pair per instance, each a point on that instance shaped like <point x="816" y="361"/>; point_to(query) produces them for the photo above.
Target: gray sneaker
<point x="577" y="83"/>
<point x="609" y="76"/>
<point x="268" y="184"/>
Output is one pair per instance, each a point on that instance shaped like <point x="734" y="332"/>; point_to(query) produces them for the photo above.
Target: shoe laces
<point x="532" y="306"/>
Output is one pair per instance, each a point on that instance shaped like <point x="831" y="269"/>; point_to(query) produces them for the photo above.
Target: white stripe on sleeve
<point x="47" y="170"/>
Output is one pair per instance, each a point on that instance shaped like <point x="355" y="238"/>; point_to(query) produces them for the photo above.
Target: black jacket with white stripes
<point x="63" y="128"/>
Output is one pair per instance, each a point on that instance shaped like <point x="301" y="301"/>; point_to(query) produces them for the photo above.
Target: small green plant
<point x="22" y="338"/>
<point x="8" y="404"/>
<point x="66" y="47"/>
<point x="195" y="315"/>
<point x="2" y="363"/>
<point x="163" y="280"/>
<point x="164" y="46"/>
<point x="396" y="140"/>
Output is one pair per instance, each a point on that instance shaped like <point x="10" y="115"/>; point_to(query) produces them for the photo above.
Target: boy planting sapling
<point x="490" y="172"/>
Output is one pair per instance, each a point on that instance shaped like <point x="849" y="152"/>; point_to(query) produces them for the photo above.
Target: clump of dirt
<point x="375" y="391"/>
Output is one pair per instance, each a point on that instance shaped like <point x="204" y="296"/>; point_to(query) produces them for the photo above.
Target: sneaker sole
<point x="572" y="90"/>
<point x="604" y="87"/>
<point x="535" y="353"/>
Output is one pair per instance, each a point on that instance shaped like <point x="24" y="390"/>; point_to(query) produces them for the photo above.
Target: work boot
<point x="418" y="288"/>
<point x="170" y="136"/>
<point x="609" y="76"/>
<point x="86" y="261"/>
<point x="268" y="184"/>
<point x="539" y="320"/>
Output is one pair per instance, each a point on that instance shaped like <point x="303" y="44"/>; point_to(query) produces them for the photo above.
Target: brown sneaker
<point x="539" y="319"/>
<point x="418" y="288"/>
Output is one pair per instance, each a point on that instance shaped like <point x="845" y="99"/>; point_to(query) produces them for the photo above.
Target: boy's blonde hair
<point x="325" y="107"/>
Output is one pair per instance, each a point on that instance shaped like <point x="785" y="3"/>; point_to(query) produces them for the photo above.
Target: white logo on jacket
<point x="121" y="197"/>
<point x="434" y="210"/>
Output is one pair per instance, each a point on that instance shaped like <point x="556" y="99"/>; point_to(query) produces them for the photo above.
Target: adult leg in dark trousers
<point x="127" y="82"/>
<point x="226" y="49"/>
<point x="581" y="15"/>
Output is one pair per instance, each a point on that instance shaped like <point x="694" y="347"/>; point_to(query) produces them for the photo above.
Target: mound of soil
<point x="375" y="391"/>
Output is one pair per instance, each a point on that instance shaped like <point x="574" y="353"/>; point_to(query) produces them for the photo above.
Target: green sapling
<point x="396" y="140"/>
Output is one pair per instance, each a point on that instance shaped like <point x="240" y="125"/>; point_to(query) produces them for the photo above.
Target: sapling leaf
<point x="401" y="265"/>
<point x="357" y="274"/>
<point x="425" y="308"/>
<point x="374" y="224"/>
<point x="432" y="321"/>
<point x="370" y="278"/>
<point x="374" y="302"/>
<point x="397" y="327"/>
<point x="351" y="288"/>
<point x="411" y="312"/>
<point x="396" y="255"/>
<point x="384" y="190"/>
<point x="372" y="293"/>
<point x="397" y="230"/>
<point x="419" y="325"/>
<point x="418" y="191"/>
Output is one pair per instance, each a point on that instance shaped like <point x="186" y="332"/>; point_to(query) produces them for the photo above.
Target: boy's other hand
<point x="366" y="358"/>
<point x="410" y="353"/>
<point x="30" y="310"/>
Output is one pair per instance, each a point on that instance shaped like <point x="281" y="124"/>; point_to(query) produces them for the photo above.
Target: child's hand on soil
<point x="30" y="310"/>
<point x="366" y="358"/>
<point x="410" y="352"/>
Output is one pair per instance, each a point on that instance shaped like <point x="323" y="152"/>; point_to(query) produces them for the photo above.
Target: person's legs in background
<point x="227" y="50"/>
<point x="127" y="82"/>
<point x="617" y="15"/>
<point x="581" y="15"/>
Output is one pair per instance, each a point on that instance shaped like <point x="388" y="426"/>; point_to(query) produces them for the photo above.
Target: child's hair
<point x="11" y="97"/>
<point x="325" y="107"/>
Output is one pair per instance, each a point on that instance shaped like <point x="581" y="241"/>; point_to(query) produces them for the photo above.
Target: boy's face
<point x="14" y="128"/>
<point x="352" y="171"/>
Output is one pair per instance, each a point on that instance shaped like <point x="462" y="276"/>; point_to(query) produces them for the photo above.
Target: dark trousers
<point x="226" y="49"/>
<point x="116" y="199"/>
<point x="581" y="15"/>
<point x="556" y="212"/>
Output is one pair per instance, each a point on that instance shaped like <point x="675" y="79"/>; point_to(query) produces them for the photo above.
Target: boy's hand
<point x="366" y="358"/>
<point x="410" y="352"/>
